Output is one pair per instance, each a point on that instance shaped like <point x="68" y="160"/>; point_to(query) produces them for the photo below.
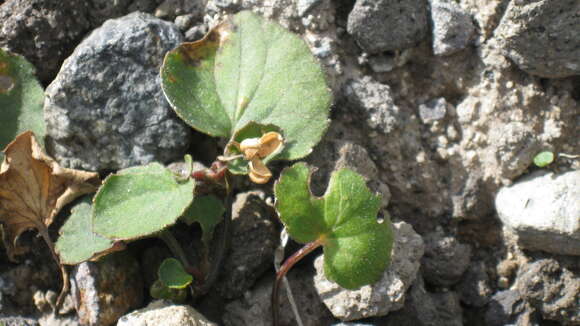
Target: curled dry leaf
<point x="257" y="149"/>
<point x="33" y="189"/>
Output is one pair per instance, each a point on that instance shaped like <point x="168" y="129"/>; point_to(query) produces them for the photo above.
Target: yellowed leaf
<point x="33" y="189"/>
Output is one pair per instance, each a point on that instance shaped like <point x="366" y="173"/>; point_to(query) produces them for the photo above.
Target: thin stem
<point x="63" y="271"/>
<point x="222" y="246"/>
<point x="175" y="247"/>
<point x="288" y="264"/>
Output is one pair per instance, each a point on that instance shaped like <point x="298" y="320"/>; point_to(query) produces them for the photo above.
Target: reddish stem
<point x="288" y="264"/>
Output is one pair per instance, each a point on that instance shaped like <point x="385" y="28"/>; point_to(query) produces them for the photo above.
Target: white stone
<point x="164" y="313"/>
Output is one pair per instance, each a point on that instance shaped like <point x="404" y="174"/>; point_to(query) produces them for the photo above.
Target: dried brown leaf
<point x="33" y="189"/>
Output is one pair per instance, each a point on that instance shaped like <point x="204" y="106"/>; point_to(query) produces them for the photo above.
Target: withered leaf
<point x="33" y="189"/>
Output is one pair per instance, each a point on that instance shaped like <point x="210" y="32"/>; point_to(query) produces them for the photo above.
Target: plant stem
<point x="63" y="271"/>
<point x="222" y="246"/>
<point x="288" y="264"/>
<point x="174" y="246"/>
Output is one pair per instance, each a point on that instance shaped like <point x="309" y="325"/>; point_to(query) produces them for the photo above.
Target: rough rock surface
<point x="452" y="27"/>
<point x="387" y="25"/>
<point x="419" y="309"/>
<point x="509" y="308"/>
<point x="105" y="290"/>
<point x="543" y="211"/>
<point x="106" y="110"/>
<point x="448" y="308"/>
<point x="445" y="259"/>
<point x="542" y="37"/>
<point x="552" y="289"/>
<point x="254" y="238"/>
<point x="164" y="313"/>
<point x="475" y="287"/>
<point x="388" y="294"/>
<point x="254" y="308"/>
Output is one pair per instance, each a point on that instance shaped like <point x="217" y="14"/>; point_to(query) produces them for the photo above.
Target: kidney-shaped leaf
<point x="249" y="69"/>
<point x="140" y="201"/>
<point x="172" y="274"/>
<point x="77" y="242"/>
<point x="21" y="99"/>
<point x="357" y="247"/>
<point x="208" y="211"/>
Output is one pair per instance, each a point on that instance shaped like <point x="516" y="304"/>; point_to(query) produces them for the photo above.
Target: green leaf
<point x="249" y="69"/>
<point x="140" y="201"/>
<point x="208" y="212"/>
<point x="21" y="100"/>
<point x="158" y="290"/>
<point x="172" y="274"/>
<point x="544" y="159"/>
<point x="357" y="248"/>
<point x="77" y="243"/>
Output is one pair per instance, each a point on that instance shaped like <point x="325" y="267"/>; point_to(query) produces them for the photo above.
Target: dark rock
<point x="552" y="289"/>
<point x="254" y="240"/>
<point x="106" y="109"/>
<point x="452" y="27"/>
<point x="105" y="290"/>
<point x="508" y="308"/>
<point x="475" y="287"/>
<point x="419" y="309"/>
<point x="254" y="309"/>
<point x="43" y="31"/>
<point x="445" y="259"/>
<point x="386" y="25"/>
<point x="542" y="37"/>
<point x="448" y="308"/>
<point x="376" y="103"/>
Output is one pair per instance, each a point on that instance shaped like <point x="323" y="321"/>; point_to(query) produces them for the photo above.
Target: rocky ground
<point x="442" y="105"/>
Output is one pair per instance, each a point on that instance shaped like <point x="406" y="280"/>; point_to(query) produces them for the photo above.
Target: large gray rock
<point x="542" y="36"/>
<point x="452" y="27"/>
<point x="164" y="313"/>
<point x="388" y="294"/>
<point x="509" y="308"/>
<point x="552" y="289"/>
<point x="387" y="25"/>
<point x="445" y="259"/>
<point x="105" y="110"/>
<point x="543" y="211"/>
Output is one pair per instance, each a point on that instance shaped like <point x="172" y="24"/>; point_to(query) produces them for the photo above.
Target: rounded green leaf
<point x="172" y="274"/>
<point x="208" y="212"/>
<point x="77" y="242"/>
<point x="544" y="159"/>
<point x="140" y="201"/>
<point x="21" y="99"/>
<point x="357" y="247"/>
<point x="249" y="69"/>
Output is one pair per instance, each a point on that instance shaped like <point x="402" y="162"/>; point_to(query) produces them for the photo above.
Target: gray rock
<point x="433" y="110"/>
<point x="448" y="308"/>
<point x="386" y="25"/>
<point x="388" y="294"/>
<point x="105" y="110"/>
<point x="254" y="308"/>
<point x="382" y="63"/>
<point x="375" y="100"/>
<point x="254" y="239"/>
<point x="419" y="309"/>
<point x="445" y="259"/>
<point x="169" y="9"/>
<point x="184" y="22"/>
<point x="552" y="289"/>
<point x="105" y="290"/>
<point x="543" y="211"/>
<point x="44" y="31"/>
<point x="508" y="308"/>
<point x="52" y="319"/>
<point x="542" y="36"/>
<point x="452" y="27"/>
<point x="164" y="313"/>
<point x="18" y="321"/>
<point x="195" y="33"/>
<point x="304" y="6"/>
<point x="475" y="288"/>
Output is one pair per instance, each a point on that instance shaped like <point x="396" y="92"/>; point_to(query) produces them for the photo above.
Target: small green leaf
<point x="544" y="159"/>
<point x="208" y="212"/>
<point x="172" y="274"/>
<point x="77" y="243"/>
<point x="21" y="100"/>
<point x="159" y="291"/>
<point x="140" y="201"/>
<point x="357" y="248"/>
<point x="249" y="69"/>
